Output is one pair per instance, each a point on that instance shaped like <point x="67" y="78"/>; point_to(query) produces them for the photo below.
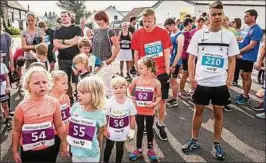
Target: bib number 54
<point x="36" y="137"/>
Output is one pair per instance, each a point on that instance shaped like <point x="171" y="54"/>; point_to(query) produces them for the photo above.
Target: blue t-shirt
<point x="253" y="33"/>
<point x="98" y="62"/>
<point x="175" y="48"/>
<point x="99" y="116"/>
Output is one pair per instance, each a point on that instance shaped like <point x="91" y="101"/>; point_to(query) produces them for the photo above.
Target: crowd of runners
<point x="75" y="103"/>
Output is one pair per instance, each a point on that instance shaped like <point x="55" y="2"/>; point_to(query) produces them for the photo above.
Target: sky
<point x="39" y="7"/>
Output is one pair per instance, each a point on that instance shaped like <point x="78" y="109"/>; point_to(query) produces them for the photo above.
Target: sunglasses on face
<point x="215" y="14"/>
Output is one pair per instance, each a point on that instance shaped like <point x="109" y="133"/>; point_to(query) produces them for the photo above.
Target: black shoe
<point x="8" y="124"/>
<point x="11" y="113"/>
<point x="172" y="103"/>
<point x="235" y="84"/>
<point x="259" y="108"/>
<point x="218" y="152"/>
<point x="133" y="71"/>
<point x="227" y="108"/>
<point x="159" y="130"/>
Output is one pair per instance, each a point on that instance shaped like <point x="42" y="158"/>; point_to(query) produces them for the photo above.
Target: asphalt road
<point x="243" y="136"/>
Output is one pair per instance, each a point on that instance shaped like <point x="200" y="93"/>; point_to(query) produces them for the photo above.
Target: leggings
<point x="44" y="155"/>
<point x="140" y="123"/>
<point x="109" y="147"/>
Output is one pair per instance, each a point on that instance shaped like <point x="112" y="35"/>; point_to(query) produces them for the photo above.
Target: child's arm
<point x="158" y="95"/>
<point x="16" y="135"/>
<point x="131" y="88"/>
<point x="8" y="88"/>
<point x="100" y="137"/>
<point x="98" y="68"/>
<point x="106" y="133"/>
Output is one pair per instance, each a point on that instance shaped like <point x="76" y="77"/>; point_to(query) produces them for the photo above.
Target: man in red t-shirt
<point x="153" y="41"/>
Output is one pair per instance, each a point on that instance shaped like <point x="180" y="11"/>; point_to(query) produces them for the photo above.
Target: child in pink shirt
<point x="35" y="119"/>
<point x="58" y="91"/>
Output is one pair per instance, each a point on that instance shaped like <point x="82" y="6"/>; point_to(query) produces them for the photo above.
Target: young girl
<point x="86" y="127"/>
<point x="35" y="119"/>
<point x="147" y="96"/>
<point x="4" y="91"/>
<point x="81" y="62"/>
<point x="58" y="91"/>
<point x="120" y="119"/>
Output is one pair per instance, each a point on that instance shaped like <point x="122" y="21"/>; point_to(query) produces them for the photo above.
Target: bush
<point x="13" y="31"/>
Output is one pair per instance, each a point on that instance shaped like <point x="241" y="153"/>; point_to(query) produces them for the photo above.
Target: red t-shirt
<point x="152" y="44"/>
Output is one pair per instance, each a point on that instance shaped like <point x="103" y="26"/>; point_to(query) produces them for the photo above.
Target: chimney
<point x="28" y="7"/>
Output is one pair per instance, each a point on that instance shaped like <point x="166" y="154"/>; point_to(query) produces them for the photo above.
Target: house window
<point x="115" y="17"/>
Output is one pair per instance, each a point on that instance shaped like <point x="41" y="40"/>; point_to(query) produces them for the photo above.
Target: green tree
<point x="50" y="16"/>
<point x="76" y="6"/>
<point x="45" y="14"/>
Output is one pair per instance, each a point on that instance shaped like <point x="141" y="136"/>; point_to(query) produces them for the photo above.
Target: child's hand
<point x="133" y="98"/>
<point x="8" y="89"/>
<point x="16" y="157"/>
<point x="106" y="133"/>
<point x="63" y="149"/>
<point x="131" y="135"/>
<point x="151" y="105"/>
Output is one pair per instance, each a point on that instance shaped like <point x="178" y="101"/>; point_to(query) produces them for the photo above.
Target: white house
<point x="232" y="9"/>
<point x="115" y="17"/>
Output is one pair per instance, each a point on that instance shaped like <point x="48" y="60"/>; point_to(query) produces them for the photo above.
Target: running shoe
<point x="172" y="103"/>
<point x="227" y="108"/>
<point x="218" y="152"/>
<point x="135" y="155"/>
<point x="159" y="130"/>
<point x="242" y="100"/>
<point x="190" y="146"/>
<point x="261" y="115"/>
<point x="260" y="107"/>
<point x="152" y="156"/>
<point x="8" y="124"/>
<point x="183" y="95"/>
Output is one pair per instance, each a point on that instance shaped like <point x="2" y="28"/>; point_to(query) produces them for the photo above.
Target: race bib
<point x="65" y="113"/>
<point x="37" y="135"/>
<point x="213" y="62"/>
<point x="81" y="132"/>
<point x="144" y="96"/>
<point x="125" y="44"/>
<point x="3" y="54"/>
<point x="3" y="84"/>
<point x="154" y="50"/>
<point x="118" y="125"/>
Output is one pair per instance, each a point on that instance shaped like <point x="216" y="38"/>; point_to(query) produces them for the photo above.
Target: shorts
<point x="165" y="84"/>
<point x="185" y="64"/>
<point x="217" y="95"/>
<point x="175" y="73"/>
<point x="124" y="55"/>
<point x="4" y="98"/>
<point x="246" y="66"/>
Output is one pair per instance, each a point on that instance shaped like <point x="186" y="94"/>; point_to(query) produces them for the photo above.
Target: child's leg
<point x="121" y="67"/>
<point x="149" y="124"/>
<point x="109" y="145"/>
<point x="140" y="124"/>
<point x="119" y="151"/>
<point x="128" y="66"/>
<point x="5" y="108"/>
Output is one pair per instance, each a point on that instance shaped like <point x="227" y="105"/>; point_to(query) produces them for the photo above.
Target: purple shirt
<point x="188" y="37"/>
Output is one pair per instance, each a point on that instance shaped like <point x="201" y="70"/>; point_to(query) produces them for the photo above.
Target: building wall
<point x="111" y="12"/>
<point x="236" y="12"/>
<point x="170" y="9"/>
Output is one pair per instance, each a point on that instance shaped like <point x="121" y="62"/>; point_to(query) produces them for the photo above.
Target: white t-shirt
<point x="212" y="59"/>
<point x="3" y="72"/>
<point x="119" y="118"/>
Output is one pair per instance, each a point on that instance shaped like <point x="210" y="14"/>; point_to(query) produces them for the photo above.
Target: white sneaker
<point x="261" y="115"/>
